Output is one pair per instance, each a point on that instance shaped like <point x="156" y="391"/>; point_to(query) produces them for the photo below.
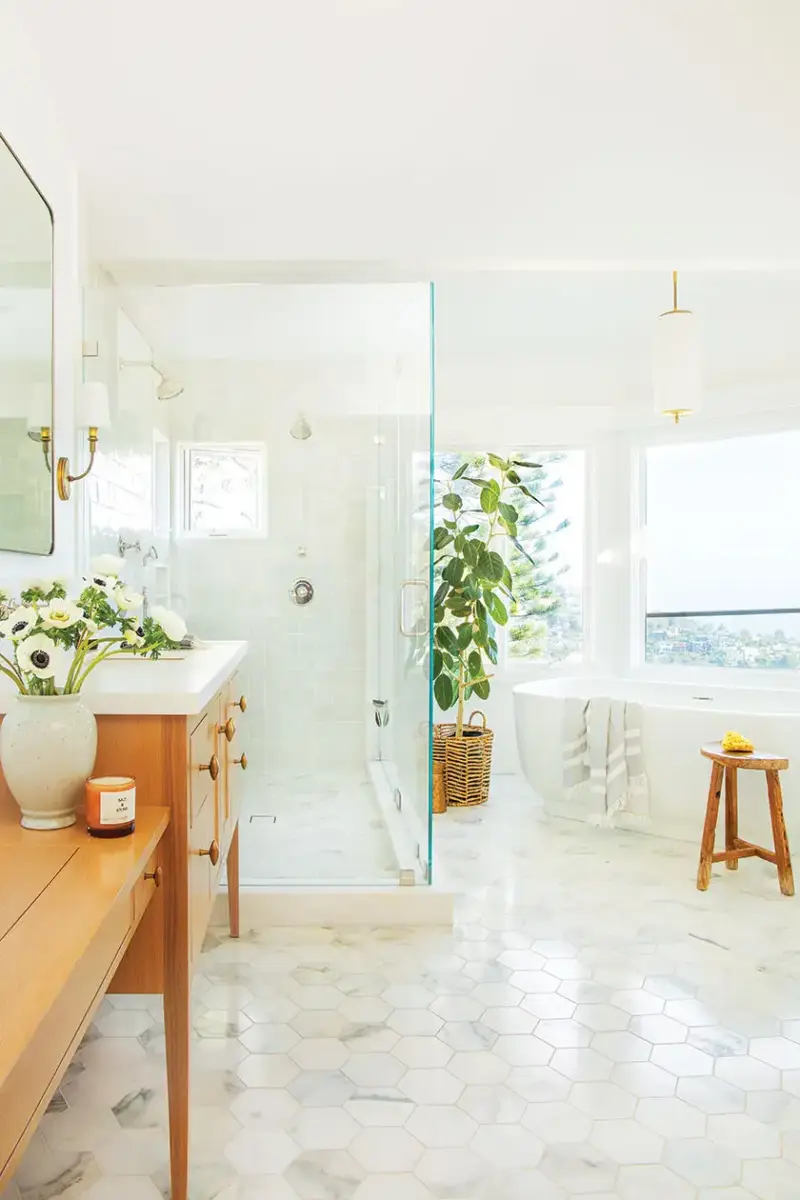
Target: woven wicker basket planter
<point x="467" y="761"/>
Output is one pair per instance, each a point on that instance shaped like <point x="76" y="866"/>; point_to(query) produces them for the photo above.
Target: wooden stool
<point x="736" y="847"/>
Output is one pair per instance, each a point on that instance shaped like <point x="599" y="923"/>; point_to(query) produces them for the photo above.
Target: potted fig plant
<point x="474" y="595"/>
<point x="49" y="646"/>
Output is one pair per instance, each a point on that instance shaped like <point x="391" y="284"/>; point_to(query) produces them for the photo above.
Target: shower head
<point x="300" y="430"/>
<point x="168" y="389"/>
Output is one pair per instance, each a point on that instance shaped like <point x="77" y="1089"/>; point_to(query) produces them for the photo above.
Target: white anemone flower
<point x="108" y="564"/>
<point x="102" y="583"/>
<point x="173" y="625"/>
<point x="40" y="656"/>
<point x="19" y="623"/>
<point x="134" y="637"/>
<point x="60" y="614"/>
<point x="128" y="600"/>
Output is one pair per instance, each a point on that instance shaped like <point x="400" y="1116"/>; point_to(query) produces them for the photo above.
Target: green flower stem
<point x="96" y="662"/>
<point x="16" y="678"/>
<point x="13" y="667"/>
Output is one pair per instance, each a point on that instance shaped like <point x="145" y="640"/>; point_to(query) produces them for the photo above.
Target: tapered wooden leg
<point x="731" y="815"/>
<point x="177" y="1022"/>
<point x="233" y="884"/>
<point x="782" y="856"/>
<point x="712" y="812"/>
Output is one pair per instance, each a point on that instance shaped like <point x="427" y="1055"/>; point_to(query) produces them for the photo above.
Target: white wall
<point x="30" y="123"/>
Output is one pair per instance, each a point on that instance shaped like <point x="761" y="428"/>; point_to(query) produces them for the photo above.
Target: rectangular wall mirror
<point x="26" y="361"/>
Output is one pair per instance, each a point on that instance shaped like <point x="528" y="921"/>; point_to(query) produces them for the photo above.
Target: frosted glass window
<point x="723" y="572"/>
<point x="224" y="491"/>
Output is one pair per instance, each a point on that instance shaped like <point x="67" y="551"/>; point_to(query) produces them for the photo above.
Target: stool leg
<point x="731" y="815"/>
<point x="712" y="812"/>
<point x="784" y="861"/>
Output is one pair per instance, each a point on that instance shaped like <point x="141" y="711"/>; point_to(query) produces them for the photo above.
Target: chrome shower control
<point x="302" y="591"/>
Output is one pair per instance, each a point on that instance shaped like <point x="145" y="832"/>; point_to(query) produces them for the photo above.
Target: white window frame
<point x="183" y="483"/>
<point x="690" y="431"/>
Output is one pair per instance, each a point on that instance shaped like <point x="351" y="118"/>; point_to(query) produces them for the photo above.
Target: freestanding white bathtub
<point x="677" y="719"/>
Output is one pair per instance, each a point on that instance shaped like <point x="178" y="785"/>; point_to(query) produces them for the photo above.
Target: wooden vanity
<point x="175" y="727"/>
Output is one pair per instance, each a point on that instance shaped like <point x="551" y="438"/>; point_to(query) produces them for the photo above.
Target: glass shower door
<point x="404" y="440"/>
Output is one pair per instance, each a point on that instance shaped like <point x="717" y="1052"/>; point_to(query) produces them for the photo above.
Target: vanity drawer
<point x="145" y="888"/>
<point x="204" y="764"/>
<point x="203" y="847"/>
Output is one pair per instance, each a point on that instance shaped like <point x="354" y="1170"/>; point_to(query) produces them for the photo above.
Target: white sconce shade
<point x="92" y="408"/>
<point x="41" y="407"/>
<point x="677" y="366"/>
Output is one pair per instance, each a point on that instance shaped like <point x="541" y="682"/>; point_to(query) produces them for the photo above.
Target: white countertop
<point x="170" y="687"/>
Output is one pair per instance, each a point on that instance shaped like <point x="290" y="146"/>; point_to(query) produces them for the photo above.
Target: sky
<point x="722" y="524"/>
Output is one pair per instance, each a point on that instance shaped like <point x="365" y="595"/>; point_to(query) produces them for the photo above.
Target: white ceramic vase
<point x="48" y="746"/>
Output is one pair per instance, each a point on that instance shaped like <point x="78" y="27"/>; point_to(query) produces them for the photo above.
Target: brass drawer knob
<point x="241" y="703"/>
<point x="241" y="762"/>
<point x="229" y="729"/>
<point x="156" y="876"/>
<point x="212" y="852"/>
<point x="212" y="767"/>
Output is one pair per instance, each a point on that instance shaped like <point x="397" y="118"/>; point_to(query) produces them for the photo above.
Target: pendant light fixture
<point x="676" y="361"/>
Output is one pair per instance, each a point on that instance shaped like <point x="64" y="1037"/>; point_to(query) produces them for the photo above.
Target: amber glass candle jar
<point x="111" y="805"/>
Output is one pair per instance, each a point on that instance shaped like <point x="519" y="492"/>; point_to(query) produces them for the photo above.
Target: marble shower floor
<point x="316" y="828"/>
<point x="591" y="1027"/>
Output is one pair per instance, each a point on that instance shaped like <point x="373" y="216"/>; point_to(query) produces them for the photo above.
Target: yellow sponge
<point x="734" y="743"/>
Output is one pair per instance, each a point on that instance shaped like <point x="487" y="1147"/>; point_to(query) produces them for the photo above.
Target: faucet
<point x="123" y="546"/>
<point x="150" y="556"/>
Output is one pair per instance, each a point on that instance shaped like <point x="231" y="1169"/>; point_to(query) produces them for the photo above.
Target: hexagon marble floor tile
<point x="591" y="1027"/>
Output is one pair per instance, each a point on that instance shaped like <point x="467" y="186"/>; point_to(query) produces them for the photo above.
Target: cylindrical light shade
<point x="40" y="413"/>
<point x="677" y="369"/>
<point x="92" y="406"/>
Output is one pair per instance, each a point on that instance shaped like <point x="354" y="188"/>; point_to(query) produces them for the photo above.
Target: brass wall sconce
<point x="92" y="413"/>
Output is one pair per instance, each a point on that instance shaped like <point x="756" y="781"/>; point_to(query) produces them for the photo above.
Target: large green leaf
<point x="521" y="462"/>
<point x="438" y="663"/>
<point x="447" y="639"/>
<point x="438" y="614"/>
<point x="527" y="492"/>
<point x="501" y="464"/>
<point x="452" y="501"/>
<point x="508" y="513"/>
<point x="496" y="566"/>
<point x="489" y="500"/>
<point x="497" y="608"/>
<point x="444" y="691"/>
<point x="453" y="572"/>
<point x="481" y="689"/>
<point x="440" y="595"/>
<point x="475" y="663"/>
<point x="464" y="635"/>
<point x="441" y="538"/>
<point x="491" y="650"/>
<point x="461" y="470"/>
<point x="471" y="552"/>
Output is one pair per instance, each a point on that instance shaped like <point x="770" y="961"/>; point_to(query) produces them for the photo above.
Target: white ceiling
<point x="544" y="339"/>
<point x="431" y="130"/>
